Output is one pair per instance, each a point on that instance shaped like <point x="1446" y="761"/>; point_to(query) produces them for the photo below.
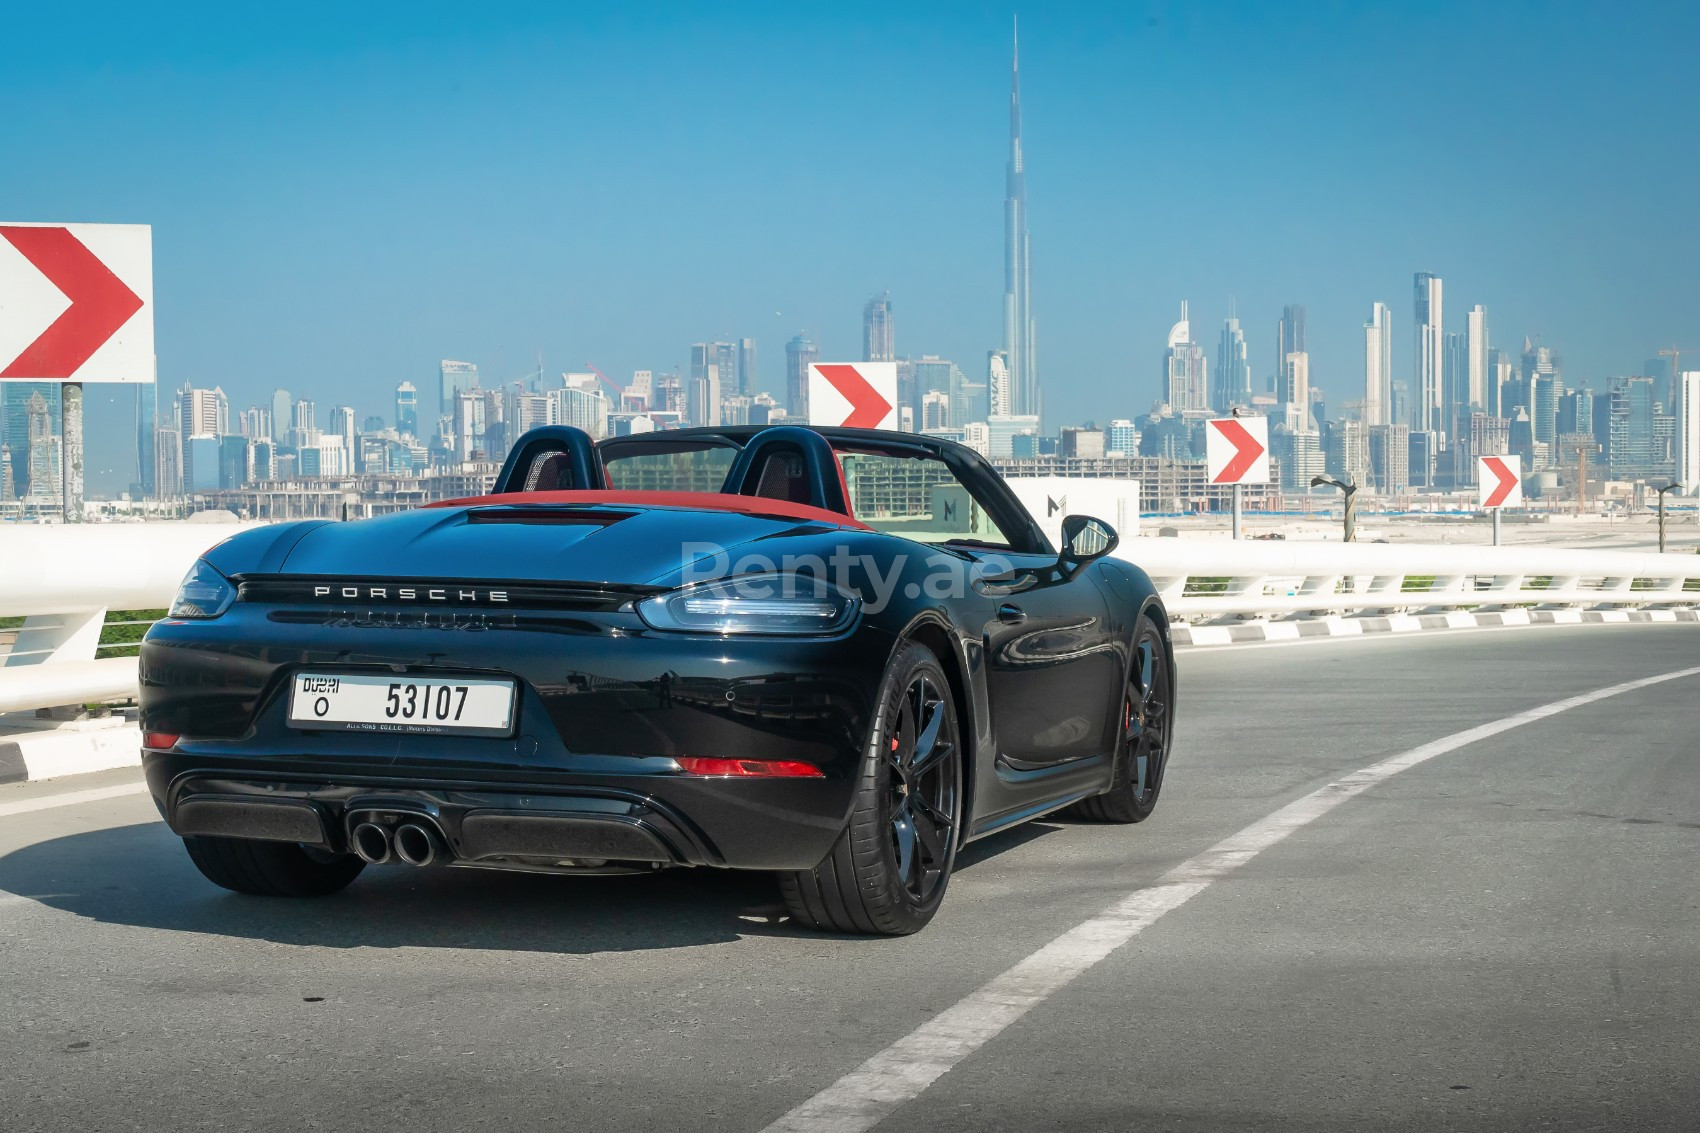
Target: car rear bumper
<point x="606" y="823"/>
<point x="604" y="715"/>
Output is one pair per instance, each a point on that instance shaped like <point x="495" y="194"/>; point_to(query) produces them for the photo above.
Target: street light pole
<point x="1662" y="492"/>
<point x="1351" y="509"/>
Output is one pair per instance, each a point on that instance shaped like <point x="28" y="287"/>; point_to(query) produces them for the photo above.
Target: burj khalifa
<point x="1018" y="324"/>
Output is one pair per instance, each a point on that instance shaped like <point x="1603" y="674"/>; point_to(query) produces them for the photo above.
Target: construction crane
<point x="609" y="382"/>
<point x="1675" y="357"/>
<point x="1582" y="445"/>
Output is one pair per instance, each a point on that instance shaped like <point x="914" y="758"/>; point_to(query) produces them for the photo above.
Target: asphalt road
<point x="1506" y="936"/>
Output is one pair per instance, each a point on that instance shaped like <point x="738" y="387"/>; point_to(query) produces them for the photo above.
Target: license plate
<point x="411" y="704"/>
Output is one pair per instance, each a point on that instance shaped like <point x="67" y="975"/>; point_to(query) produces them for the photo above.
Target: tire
<point x="271" y="869"/>
<point x="888" y="872"/>
<point x="1147" y="731"/>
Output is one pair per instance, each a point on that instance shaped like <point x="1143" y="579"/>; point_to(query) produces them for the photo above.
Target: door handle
<point x="1009" y="613"/>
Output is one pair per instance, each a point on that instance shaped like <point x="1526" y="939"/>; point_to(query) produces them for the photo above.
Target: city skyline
<point x="509" y="268"/>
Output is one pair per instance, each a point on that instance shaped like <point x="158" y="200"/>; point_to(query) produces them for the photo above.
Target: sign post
<point x="76" y="305"/>
<point x="1499" y="480"/>
<point x="1236" y="451"/>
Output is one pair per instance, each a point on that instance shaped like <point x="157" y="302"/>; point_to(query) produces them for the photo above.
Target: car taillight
<point x="160" y="739"/>
<point x="751" y="768"/>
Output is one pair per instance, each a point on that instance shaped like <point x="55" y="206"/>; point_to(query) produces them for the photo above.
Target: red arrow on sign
<point x="867" y="407"/>
<point x="1246" y="451"/>
<point x="1507" y="481"/>
<point x="100" y="303"/>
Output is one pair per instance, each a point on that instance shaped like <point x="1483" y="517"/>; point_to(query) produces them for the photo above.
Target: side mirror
<point x="1085" y="539"/>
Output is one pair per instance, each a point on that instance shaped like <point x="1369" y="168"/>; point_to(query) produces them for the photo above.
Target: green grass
<point x="1538" y="582"/>
<point x="1204" y="587"/>
<point x="11" y="623"/>
<point x="1417" y="583"/>
<point x="121" y="640"/>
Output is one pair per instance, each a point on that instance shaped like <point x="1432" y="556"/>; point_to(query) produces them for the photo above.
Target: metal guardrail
<point x="1222" y="579"/>
<point x="63" y="580"/>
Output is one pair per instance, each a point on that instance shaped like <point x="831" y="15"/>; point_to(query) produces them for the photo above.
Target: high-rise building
<point x="1498" y="377"/>
<point x="1300" y="454"/>
<point x="1122" y="438"/>
<point x="1378" y="366"/>
<point x="1002" y="431"/>
<point x="1390" y="457"/>
<point x="748" y="379"/>
<point x="932" y="374"/>
<point x="1633" y="432"/>
<point x="997" y="383"/>
<point x="168" y="463"/>
<point x="1455" y="386"/>
<point x="342" y="424"/>
<point x="1544" y="399"/>
<point x="1019" y="326"/>
<point x="304" y="429"/>
<point x="1428" y="333"/>
<point x="467" y="415"/>
<point x="1289" y="340"/>
<point x="1232" y="385"/>
<point x="714" y="374"/>
<point x="1347" y="452"/>
<point x="1185" y="380"/>
<point x="1293" y="391"/>
<point x="1423" y="460"/>
<point x="15" y="400"/>
<point x="1085" y="444"/>
<point x="1686" y="395"/>
<point x="969" y="400"/>
<point x="878" y="339"/>
<point x="582" y="405"/>
<point x="7" y="492"/>
<point x="934" y="411"/>
<point x="452" y="378"/>
<point x="1576" y="412"/>
<point x="45" y="464"/>
<point x="640" y="391"/>
<point x="1488" y="435"/>
<point x="203" y="412"/>
<point x="1477" y="363"/>
<point x="1665" y="384"/>
<point x="800" y="354"/>
<point x="147" y="421"/>
<point x="407" y="410"/>
<point x="283" y="413"/>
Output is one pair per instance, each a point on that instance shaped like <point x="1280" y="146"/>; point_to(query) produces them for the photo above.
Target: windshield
<point x="917" y="497"/>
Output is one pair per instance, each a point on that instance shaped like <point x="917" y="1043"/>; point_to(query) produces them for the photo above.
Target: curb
<point x="29" y="756"/>
<point x="1411" y="623"/>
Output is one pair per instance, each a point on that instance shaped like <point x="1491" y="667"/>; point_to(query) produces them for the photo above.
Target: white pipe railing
<point x="1223" y="579"/>
<point x="63" y="580"/>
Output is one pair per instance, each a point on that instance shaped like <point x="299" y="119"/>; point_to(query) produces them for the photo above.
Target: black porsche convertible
<point x="834" y="654"/>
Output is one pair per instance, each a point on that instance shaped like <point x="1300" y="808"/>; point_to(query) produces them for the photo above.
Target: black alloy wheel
<point x="922" y="780"/>
<point x="1147" y="726"/>
<point x="890" y="868"/>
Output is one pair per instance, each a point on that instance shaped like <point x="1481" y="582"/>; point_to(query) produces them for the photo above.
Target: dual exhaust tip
<point x="413" y="842"/>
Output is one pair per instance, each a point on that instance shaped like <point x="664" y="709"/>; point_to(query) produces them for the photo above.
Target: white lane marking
<point x="72" y="798"/>
<point x="865" y="1096"/>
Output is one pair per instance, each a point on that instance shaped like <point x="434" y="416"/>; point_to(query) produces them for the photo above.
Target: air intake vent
<point x="586" y="517"/>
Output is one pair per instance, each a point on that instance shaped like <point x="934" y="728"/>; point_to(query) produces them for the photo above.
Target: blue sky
<point x="343" y="195"/>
